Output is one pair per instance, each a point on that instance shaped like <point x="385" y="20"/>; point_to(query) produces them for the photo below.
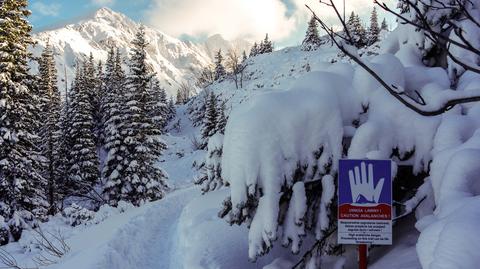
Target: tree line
<point x="101" y="142"/>
<point x="361" y="35"/>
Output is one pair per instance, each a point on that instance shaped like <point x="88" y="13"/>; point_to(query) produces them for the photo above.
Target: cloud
<point x="231" y="18"/>
<point x="249" y="19"/>
<point x="46" y="9"/>
<point x="103" y="3"/>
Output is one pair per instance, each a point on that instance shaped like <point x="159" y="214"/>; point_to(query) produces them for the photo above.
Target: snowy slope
<point x="183" y="229"/>
<point x="173" y="60"/>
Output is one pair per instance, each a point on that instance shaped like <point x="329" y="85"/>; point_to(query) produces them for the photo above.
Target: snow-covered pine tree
<point x="254" y="50"/>
<point x="384" y="26"/>
<point x="114" y="109"/>
<point x="210" y="118"/>
<point x="140" y="177"/>
<point x="164" y="107"/>
<point x="213" y="130"/>
<point x="21" y="183"/>
<point x="91" y="82"/>
<point x="156" y="104"/>
<point x="100" y="94"/>
<point x="266" y="46"/>
<point x="82" y="172"/>
<point x="244" y="57"/>
<point x="312" y="38"/>
<point x="350" y="22"/>
<point x="374" y="29"/>
<point x="50" y="130"/>
<point x="106" y="101"/>
<point x="357" y="30"/>
<point x="172" y="111"/>
<point x="196" y="109"/>
<point x="222" y="119"/>
<point x="211" y="178"/>
<point x="183" y="93"/>
<point x="360" y="32"/>
<point x="65" y="187"/>
<point x="220" y="72"/>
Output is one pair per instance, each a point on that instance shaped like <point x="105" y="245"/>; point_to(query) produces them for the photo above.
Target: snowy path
<point x="147" y="241"/>
<point x="183" y="231"/>
<point x="142" y="238"/>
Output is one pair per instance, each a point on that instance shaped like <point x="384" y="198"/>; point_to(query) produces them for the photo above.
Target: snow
<point x="252" y="160"/>
<point x="294" y="228"/>
<point x="328" y="192"/>
<point x="470" y="32"/>
<point x="389" y="124"/>
<point x="295" y="110"/>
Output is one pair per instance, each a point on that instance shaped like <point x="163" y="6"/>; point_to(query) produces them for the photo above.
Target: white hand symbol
<point x="361" y="184"/>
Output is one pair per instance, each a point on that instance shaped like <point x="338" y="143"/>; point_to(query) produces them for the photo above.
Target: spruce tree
<point x="164" y="109"/>
<point x="351" y="21"/>
<point x="357" y="31"/>
<point x="254" y="50"/>
<point x="171" y="109"/>
<point x="219" y="68"/>
<point x="139" y="179"/>
<point x="21" y="183"/>
<point x="266" y="46"/>
<point x="64" y="149"/>
<point x="83" y="162"/>
<point x="66" y="143"/>
<point x="50" y="109"/>
<point x="156" y="104"/>
<point x="106" y="100"/>
<point x="244" y="57"/>
<point x="374" y="30"/>
<point x="210" y="118"/>
<point x="100" y="94"/>
<point x="360" y="32"/>
<point x="114" y="110"/>
<point x="221" y="120"/>
<point x="91" y="83"/>
<point x="384" y="26"/>
<point x="312" y="38"/>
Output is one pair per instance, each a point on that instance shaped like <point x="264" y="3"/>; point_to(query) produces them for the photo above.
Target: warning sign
<point x="365" y="202"/>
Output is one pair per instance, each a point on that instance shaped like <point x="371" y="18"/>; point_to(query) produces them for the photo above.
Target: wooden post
<point x="362" y="256"/>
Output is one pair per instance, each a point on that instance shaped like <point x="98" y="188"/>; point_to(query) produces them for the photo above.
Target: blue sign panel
<point x="365" y="202"/>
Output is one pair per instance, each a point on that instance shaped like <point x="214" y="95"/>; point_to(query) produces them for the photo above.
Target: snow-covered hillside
<point x="173" y="60"/>
<point x="172" y="232"/>
<point x="296" y="114"/>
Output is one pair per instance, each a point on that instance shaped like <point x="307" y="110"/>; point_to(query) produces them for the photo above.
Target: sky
<point x="284" y="20"/>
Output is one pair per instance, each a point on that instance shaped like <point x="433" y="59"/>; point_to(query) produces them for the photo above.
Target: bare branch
<point x="9" y="262"/>
<point x="54" y="248"/>
<point x="426" y="27"/>
<point x="467" y="13"/>
<point x="411" y="103"/>
<point x="341" y="20"/>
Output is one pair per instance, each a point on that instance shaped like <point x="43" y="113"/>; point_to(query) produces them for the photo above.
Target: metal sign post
<point x="364" y="204"/>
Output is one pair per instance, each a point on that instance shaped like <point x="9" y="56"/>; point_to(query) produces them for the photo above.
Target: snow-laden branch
<point x="435" y="107"/>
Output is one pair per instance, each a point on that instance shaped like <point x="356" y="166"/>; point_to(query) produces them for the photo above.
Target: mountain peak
<point x="104" y="12"/>
<point x="109" y="17"/>
<point x="107" y="14"/>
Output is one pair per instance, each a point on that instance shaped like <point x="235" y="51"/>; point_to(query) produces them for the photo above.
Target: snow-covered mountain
<point x="173" y="60"/>
<point x="216" y="42"/>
